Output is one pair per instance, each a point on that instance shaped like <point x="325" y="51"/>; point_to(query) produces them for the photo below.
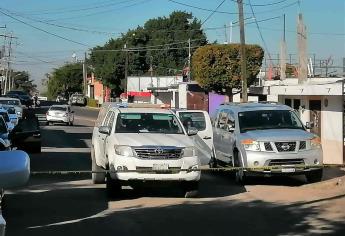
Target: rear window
<point x="193" y="119"/>
<point x="10" y="102"/>
<point x="58" y="109"/>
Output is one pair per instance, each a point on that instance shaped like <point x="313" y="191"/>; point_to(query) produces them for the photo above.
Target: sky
<point x="41" y="44"/>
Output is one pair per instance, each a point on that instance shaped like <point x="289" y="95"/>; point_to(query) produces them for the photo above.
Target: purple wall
<point x="214" y="100"/>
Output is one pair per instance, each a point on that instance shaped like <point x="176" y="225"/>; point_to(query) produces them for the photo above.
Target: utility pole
<point x="7" y="77"/>
<point x="230" y="34"/>
<point x="85" y="75"/>
<point x="243" y="52"/>
<point x="189" y="56"/>
<point x="126" y="68"/>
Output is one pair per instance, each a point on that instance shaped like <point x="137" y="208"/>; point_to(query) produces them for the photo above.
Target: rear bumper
<point x="57" y="119"/>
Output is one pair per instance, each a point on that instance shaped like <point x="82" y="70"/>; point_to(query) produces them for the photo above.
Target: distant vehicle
<point x="61" y="98"/>
<point x="27" y="135"/>
<point x="24" y="98"/>
<point x="151" y="143"/>
<point x="11" y="113"/>
<point x="4" y="114"/>
<point x="204" y="139"/>
<point x="15" y="102"/>
<point x="254" y="135"/>
<point x="14" y="172"/>
<point x="77" y="99"/>
<point x="5" y="143"/>
<point x="60" y="114"/>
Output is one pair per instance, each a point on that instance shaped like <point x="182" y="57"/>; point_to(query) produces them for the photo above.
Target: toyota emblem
<point x="159" y="150"/>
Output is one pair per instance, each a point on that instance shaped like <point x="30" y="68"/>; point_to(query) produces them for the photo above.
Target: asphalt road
<point x="72" y="205"/>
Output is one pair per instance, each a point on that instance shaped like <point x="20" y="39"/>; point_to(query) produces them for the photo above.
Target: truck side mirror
<point x="104" y="130"/>
<point x="14" y="169"/>
<point x="192" y="131"/>
<point x="309" y="125"/>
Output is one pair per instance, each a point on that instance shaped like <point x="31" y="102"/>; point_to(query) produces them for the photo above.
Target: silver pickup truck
<point x="263" y="136"/>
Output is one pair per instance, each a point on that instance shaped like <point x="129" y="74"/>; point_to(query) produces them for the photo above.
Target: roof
<point x="143" y="110"/>
<point x="8" y="98"/>
<point x="239" y="107"/>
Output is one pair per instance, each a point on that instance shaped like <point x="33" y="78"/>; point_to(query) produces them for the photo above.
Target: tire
<point x="191" y="189"/>
<point x="240" y="175"/>
<point x="113" y="187"/>
<point x="37" y="148"/>
<point x="97" y="178"/>
<point x="48" y="123"/>
<point x="314" y="176"/>
<point x="71" y="123"/>
<point x="213" y="162"/>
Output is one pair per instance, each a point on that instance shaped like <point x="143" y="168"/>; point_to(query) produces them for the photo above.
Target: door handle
<point x="207" y="137"/>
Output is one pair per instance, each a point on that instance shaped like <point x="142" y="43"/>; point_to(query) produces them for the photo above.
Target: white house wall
<point x="141" y="83"/>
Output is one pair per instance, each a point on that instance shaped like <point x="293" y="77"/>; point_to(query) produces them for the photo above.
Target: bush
<point x="92" y="102"/>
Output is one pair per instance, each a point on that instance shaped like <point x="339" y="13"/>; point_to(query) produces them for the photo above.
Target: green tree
<point x="22" y="82"/>
<point x="66" y="79"/>
<point x="162" y="40"/>
<point x="218" y="67"/>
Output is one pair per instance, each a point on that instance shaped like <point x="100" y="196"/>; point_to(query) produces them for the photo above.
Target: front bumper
<point x="142" y="169"/>
<point x="57" y="119"/>
<point x="261" y="162"/>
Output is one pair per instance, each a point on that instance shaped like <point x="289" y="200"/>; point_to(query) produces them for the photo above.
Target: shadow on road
<point x="85" y="212"/>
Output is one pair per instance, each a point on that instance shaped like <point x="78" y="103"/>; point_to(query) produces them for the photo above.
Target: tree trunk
<point x="228" y="92"/>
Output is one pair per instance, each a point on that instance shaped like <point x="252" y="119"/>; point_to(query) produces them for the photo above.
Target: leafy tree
<point x="218" y="67"/>
<point x="22" y="82"/>
<point x="66" y="79"/>
<point x="162" y="40"/>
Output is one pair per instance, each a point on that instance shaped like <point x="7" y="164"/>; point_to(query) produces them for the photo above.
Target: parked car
<point x="60" y="114"/>
<point x="14" y="172"/>
<point x="254" y="135"/>
<point x="77" y="99"/>
<point x="151" y="143"/>
<point x="24" y="98"/>
<point x="11" y="113"/>
<point x="203" y="141"/>
<point x="5" y="143"/>
<point x="27" y="135"/>
<point x="4" y="114"/>
<point x="61" y="98"/>
<point x="13" y="102"/>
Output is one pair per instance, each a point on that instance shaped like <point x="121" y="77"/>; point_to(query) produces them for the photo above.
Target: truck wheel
<point x="314" y="176"/>
<point x="99" y="176"/>
<point x="191" y="189"/>
<point x="240" y="175"/>
<point x="113" y="187"/>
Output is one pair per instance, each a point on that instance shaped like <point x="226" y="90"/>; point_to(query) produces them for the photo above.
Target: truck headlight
<point x="19" y="113"/>
<point x="189" y="152"/>
<point x="123" y="150"/>
<point x="250" y="145"/>
<point x="315" y="143"/>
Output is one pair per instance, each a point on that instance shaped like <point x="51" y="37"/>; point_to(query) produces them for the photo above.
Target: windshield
<point x="10" y="110"/>
<point x="148" y="123"/>
<point x="271" y="119"/>
<point x="193" y="119"/>
<point x="10" y="102"/>
<point x="57" y="109"/>
<point x="5" y="115"/>
<point x="17" y="92"/>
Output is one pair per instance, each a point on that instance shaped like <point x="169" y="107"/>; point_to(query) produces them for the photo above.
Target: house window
<point x="288" y="102"/>
<point x="296" y="104"/>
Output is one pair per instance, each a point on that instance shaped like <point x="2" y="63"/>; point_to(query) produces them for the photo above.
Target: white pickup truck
<point x="143" y="145"/>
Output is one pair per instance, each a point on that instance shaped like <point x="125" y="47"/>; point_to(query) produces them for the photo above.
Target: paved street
<point x="71" y="205"/>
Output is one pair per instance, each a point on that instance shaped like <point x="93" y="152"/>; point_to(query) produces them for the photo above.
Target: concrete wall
<point x="141" y="83"/>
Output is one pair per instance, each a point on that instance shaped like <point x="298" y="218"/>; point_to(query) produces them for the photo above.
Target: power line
<point x="261" y="5"/>
<point x="261" y="36"/>
<point x="37" y="28"/>
<point x="201" y="8"/>
<point x="212" y="13"/>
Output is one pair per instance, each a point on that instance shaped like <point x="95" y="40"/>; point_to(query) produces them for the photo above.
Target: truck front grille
<point x="158" y="153"/>
<point x="285" y="146"/>
<point x="268" y="147"/>
<point x="302" y="145"/>
<point x="279" y="162"/>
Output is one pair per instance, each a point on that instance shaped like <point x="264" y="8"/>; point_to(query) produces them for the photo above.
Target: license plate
<point x="160" y="167"/>
<point x="288" y="170"/>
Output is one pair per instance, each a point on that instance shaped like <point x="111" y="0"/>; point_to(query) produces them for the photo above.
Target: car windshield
<point x="10" y="102"/>
<point x="10" y="110"/>
<point x="57" y="109"/>
<point x="17" y="92"/>
<point x="5" y="116"/>
<point x="193" y="119"/>
<point x="268" y="119"/>
<point x="148" y="123"/>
